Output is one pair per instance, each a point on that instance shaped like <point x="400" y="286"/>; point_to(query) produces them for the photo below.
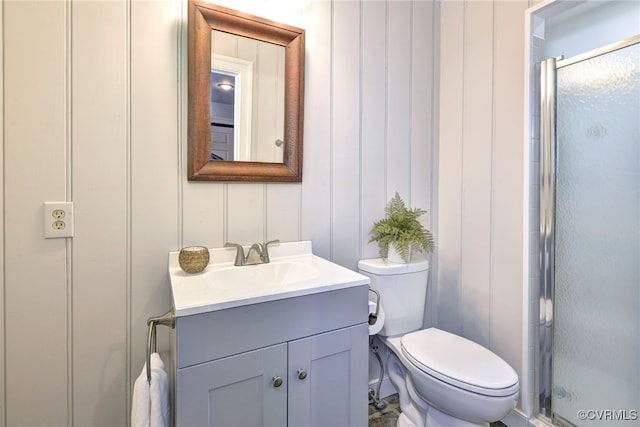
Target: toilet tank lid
<point x="383" y="267"/>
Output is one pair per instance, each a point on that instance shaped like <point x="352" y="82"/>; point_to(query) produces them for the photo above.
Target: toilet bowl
<point x="455" y="376"/>
<point x="443" y="380"/>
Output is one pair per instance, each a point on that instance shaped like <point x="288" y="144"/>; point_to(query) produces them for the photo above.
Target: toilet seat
<point x="459" y="362"/>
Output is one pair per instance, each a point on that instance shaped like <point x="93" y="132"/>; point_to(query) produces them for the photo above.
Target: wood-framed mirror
<point x="204" y="164"/>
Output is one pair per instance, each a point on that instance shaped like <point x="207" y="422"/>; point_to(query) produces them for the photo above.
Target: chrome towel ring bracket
<point x="167" y="319"/>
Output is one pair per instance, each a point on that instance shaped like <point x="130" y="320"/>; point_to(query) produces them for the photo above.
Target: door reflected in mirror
<point x="247" y="99"/>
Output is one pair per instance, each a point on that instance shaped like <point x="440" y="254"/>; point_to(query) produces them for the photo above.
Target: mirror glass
<point x="246" y="96"/>
<point x="247" y="99"/>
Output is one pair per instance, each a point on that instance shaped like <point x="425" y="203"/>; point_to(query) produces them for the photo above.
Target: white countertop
<point x="293" y="271"/>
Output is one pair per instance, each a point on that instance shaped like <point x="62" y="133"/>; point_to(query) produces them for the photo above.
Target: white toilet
<point x="443" y="380"/>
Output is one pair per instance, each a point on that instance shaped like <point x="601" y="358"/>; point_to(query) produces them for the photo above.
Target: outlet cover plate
<point x="58" y="219"/>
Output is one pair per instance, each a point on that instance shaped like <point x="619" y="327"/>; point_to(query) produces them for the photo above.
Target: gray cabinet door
<point x="334" y="390"/>
<point x="234" y="391"/>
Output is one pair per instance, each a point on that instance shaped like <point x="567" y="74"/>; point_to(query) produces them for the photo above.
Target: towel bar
<point x="167" y="319"/>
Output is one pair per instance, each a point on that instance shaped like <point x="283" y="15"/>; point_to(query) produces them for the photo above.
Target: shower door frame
<point x="547" y="209"/>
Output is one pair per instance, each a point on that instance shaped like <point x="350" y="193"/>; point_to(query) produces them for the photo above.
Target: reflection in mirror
<point x="246" y="96"/>
<point x="224" y="130"/>
<point x="231" y="92"/>
<point x="257" y="67"/>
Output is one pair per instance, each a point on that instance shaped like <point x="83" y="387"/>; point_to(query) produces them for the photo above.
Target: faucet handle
<point x="265" y="250"/>
<point x="239" y="252"/>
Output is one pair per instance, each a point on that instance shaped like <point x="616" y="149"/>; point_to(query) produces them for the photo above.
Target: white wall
<point x="95" y="110"/>
<point x="481" y="165"/>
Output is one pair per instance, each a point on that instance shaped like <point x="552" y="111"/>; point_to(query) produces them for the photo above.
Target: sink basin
<point x="276" y="273"/>
<point x="293" y="271"/>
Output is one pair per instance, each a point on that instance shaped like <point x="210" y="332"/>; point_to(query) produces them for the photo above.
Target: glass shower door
<point x="596" y="313"/>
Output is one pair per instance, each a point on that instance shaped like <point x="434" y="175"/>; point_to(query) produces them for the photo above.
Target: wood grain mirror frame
<point x="203" y="18"/>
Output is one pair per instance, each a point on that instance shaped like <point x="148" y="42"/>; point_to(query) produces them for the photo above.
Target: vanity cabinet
<point x="299" y="361"/>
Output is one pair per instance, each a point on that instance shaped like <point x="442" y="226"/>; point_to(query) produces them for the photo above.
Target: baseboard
<point x="516" y="419"/>
<point x="539" y="422"/>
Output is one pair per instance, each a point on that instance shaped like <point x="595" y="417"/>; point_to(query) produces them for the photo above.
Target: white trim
<point x="3" y="287"/>
<point x="242" y="70"/>
<point x="539" y="422"/>
<point x="516" y="419"/>
<point x="527" y="383"/>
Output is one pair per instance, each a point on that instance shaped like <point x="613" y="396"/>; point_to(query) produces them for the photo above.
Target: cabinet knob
<point x="277" y="382"/>
<point x="302" y="374"/>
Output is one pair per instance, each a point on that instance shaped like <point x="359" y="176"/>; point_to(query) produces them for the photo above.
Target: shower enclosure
<point x="590" y="237"/>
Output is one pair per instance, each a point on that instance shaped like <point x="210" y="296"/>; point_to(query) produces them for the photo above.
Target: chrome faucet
<point x="258" y="253"/>
<point x="265" y="250"/>
<point x="239" y="253"/>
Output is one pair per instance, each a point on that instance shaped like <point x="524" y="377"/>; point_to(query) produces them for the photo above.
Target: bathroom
<point x="426" y="98"/>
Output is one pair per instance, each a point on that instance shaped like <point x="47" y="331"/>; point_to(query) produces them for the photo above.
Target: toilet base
<point x="436" y="418"/>
<point x="432" y="418"/>
<point x="403" y="421"/>
<point x="415" y="412"/>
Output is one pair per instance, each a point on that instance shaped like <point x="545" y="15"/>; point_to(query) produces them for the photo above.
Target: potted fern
<point x="400" y="232"/>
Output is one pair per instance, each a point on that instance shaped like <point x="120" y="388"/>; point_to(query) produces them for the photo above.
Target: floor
<point x="388" y="416"/>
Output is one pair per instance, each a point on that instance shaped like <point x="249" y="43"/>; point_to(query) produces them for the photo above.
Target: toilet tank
<point x="403" y="292"/>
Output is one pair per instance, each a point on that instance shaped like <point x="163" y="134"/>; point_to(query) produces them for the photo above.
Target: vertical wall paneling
<point x="3" y="331"/>
<point x="181" y="116"/>
<point x="35" y="269"/>
<point x="480" y="175"/>
<point x="246" y="223"/>
<point x="422" y="94"/>
<point x="203" y="206"/>
<point x="102" y="202"/>
<point x="154" y="190"/>
<point x="282" y="212"/>
<point x="203" y="211"/>
<point x="450" y="147"/>
<point x="345" y="110"/>
<point x="373" y="119"/>
<point x="316" y="179"/>
<point x="477" y="170"/>
<point x="399" y="96"/>
<point x="422" y="90"/>
<point x="69" y="196"/>
<point x="109" y="129"/>
<point x="508" y="180"/>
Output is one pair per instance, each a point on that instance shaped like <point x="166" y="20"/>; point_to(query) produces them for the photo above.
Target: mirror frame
<point x="202" y="19"/>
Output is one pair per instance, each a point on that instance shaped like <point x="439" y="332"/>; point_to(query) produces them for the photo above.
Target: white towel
<point x="150" y="403"/>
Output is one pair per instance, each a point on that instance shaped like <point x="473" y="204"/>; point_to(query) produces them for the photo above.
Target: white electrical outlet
<point x="58" y="219"/>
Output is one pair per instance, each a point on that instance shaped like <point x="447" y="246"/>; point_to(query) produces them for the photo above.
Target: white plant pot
<point x="394" y="256"/>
